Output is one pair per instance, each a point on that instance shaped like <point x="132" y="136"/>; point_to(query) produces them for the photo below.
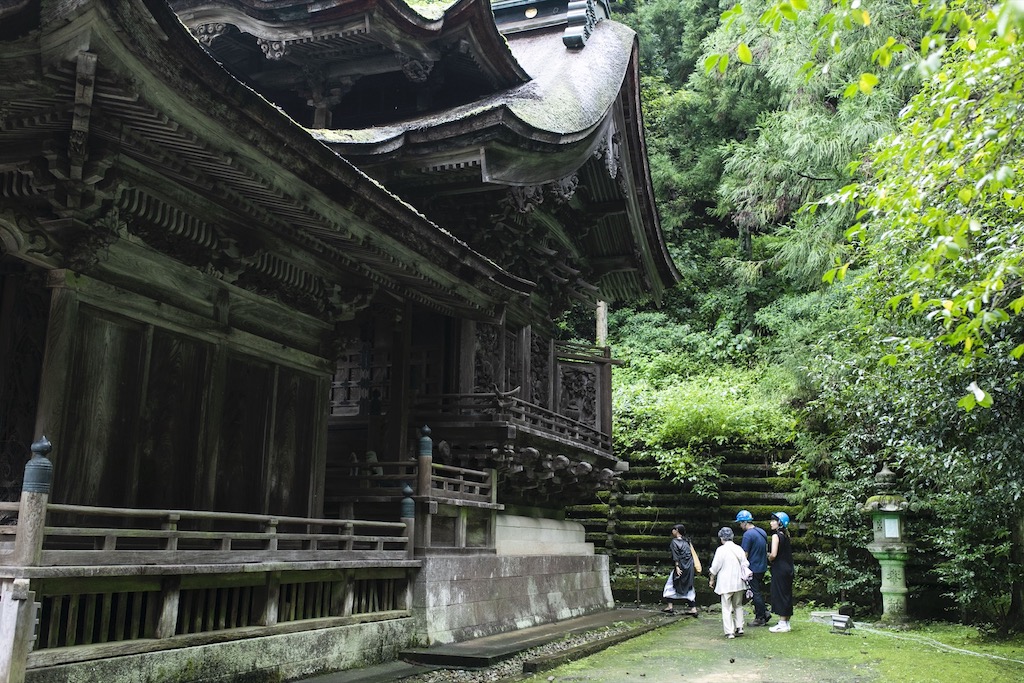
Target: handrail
<point x="519" y="410"/>
<point x="447" y="482"/>
<point x="174" y="536"/>
<point x="211" y="515"/>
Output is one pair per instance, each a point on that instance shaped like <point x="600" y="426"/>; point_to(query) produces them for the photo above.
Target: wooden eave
<point x="212" y="135"/>
<point x="456" y="153"/>
<point x="392" y="24"/>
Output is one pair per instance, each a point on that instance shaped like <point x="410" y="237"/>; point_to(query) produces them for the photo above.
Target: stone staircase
<point x="633" y="523"/>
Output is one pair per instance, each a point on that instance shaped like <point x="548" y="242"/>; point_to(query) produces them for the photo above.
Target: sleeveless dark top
<point x="782" y="578"/>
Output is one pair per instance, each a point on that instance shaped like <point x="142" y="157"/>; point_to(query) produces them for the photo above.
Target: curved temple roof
<point x="168" y="113"/>
<point x="566" y="100"/>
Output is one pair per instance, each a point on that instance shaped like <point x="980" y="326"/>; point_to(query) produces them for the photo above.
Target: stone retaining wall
<point x="262" y="659"/>
<point x="464" y="597"/>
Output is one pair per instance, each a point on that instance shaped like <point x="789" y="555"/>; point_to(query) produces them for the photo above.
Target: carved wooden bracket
<point x="564" y="189"/>
<point x="207" y="33"/>
<point x="524" y="199"/>
<point x="272" y="49"/>
<point x="416" y="70"/>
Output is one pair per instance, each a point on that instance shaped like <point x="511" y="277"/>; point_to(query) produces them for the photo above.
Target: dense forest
<point x="840" y="183"/>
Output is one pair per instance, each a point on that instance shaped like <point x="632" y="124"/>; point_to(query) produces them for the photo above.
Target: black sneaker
<point x="759" y="622"/>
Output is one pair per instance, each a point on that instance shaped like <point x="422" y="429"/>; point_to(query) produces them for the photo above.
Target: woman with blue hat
<point x="781" y="557"/>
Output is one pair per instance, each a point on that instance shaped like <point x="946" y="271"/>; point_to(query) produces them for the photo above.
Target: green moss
<point x="430" y="9"/>
<point x="695" y="650"/>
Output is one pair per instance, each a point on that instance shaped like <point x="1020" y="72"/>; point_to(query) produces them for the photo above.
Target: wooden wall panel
<point x="289" y="462"/>
<point x="170" y="454"/>
<point x="243" y="436"/>
<point x="102" y="409"/>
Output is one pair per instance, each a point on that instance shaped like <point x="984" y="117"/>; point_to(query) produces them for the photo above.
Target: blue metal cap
<point x="39" y="470"/>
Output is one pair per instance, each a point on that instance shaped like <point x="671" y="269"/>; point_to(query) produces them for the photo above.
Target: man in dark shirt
<point x="755" y="545"/>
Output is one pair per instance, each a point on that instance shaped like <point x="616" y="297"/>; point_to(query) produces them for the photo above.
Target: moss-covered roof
<point x="570" y="92"/>
<point x="430" y="9"/>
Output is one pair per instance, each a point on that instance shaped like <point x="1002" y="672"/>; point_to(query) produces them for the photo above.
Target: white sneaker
<point x="781" y="627"/>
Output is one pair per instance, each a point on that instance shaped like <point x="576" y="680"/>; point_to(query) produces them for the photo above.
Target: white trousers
<point x="732" y="611"/>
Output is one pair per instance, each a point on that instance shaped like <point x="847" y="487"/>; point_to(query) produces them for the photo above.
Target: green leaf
<point x="723" y="64"/>
<point x="967" y="402"/>
<point x="1017" y="352"/>
<point x="744" y="54"/>
<point x="711" y="62"/>
<point x="867" y="83"/>
<point x="965" y="194"/>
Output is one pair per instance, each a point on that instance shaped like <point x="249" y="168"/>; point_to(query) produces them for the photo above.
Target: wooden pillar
<point x="170" y="595"/>
<point x="526" y="361"/>
<point x="467" y="357"/>
<point x="271" y="597"/>
<point x="60" y="346"/>
<point x="461" y="522"/>
<point x="17" y="617"/>
<point x="604" y="397"/>
<point x="398" y="411"/>
<point x="318" y="466"/>
<point x="602" y="323"/>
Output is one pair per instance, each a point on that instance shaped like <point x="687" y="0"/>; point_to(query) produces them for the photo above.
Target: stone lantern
<point x="889" y="546"/>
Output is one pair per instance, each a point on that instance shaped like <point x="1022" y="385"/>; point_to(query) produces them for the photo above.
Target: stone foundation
<point x="264" y="659"/>
<point x="519" y="535"/>
<point x="464" y="597"/>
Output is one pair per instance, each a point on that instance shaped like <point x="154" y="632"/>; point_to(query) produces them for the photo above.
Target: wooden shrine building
<point x="279" y="291"/>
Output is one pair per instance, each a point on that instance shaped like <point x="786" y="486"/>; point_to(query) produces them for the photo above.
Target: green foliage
<point x="681" y="422"/>
<point x="942" y="209"/>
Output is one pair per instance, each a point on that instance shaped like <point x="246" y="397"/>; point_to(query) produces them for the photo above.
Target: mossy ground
<point x="696" y="651"/>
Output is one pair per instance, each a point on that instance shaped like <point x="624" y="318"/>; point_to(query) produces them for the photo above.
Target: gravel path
<point x="513" y="667"/>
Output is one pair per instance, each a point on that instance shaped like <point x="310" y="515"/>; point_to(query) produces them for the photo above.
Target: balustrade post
<point x="171" y="524"/>
<point x="425" y="468"/>
<point x="35" y="493"/>
<point x="17" y="617"/>
<point x="271" y="528"/>
<point x="408" y="517"/>
<point x="425" y="462"/>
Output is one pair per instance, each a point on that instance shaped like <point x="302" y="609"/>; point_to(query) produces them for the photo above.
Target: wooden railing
<point x="445" y="409"/>
<point x="383" y="480"/>
<point x="89" y="535"/>
<point x="458" y="483"/>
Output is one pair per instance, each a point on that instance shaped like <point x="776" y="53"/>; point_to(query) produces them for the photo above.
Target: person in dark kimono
<point x="679" y="586"/>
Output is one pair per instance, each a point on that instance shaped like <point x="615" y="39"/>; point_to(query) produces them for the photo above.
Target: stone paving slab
<point x="481" y="652"/>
